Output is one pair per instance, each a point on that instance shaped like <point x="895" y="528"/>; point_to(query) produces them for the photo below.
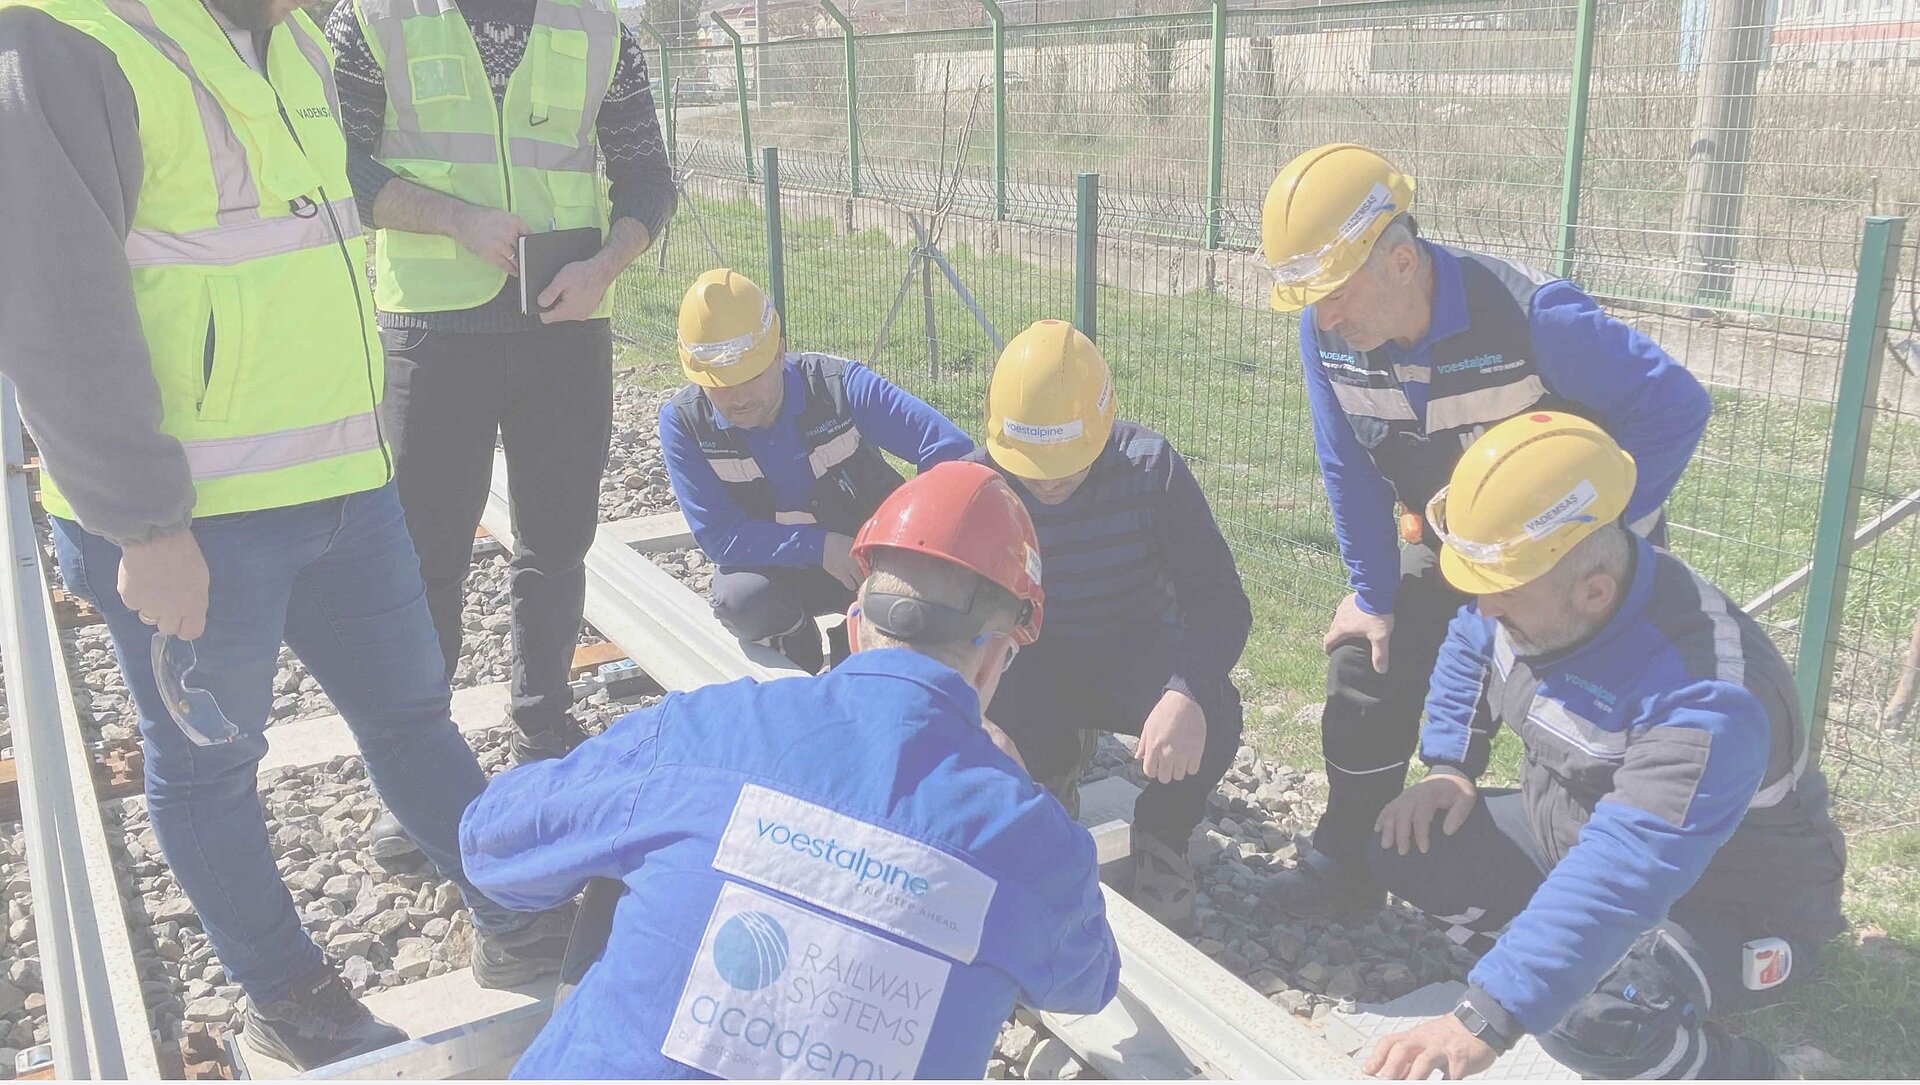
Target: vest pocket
<point x="438" y="78"/>
<point x="225" y="339"/>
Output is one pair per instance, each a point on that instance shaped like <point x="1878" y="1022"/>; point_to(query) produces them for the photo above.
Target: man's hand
<point x="837" y="559"/>
<point x="1349" y="622"/>
<point x="1441" y="1043"/>
<point x="1173" y="738"/>
<point x="164" y="580"/>
<point x="1003" y="740"/>
<point x="492" y="235"/>
<point x="1409" y="817"/>
<point x="575" y="291"/>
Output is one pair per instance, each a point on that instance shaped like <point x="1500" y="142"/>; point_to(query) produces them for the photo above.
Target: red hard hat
<point x="964" y="513"/>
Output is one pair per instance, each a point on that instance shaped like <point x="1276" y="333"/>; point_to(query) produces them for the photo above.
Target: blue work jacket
<point x="833" y="876"/>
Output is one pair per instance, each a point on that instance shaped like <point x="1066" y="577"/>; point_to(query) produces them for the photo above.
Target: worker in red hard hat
<point x="831" y="876"/>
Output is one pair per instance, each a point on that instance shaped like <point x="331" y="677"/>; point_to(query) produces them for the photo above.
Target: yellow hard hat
<point x="1050" y="404"/>
<point x="1322" y="216"/>
<point x="729" y="332"/>
<point x="1523" y="495"/>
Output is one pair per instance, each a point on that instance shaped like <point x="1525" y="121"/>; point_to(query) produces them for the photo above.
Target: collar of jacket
<point x="793" y="400"/>
<point x="905" y="664"/>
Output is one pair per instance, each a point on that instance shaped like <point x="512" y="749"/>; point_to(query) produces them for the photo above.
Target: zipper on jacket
<point x="346" y="255"/>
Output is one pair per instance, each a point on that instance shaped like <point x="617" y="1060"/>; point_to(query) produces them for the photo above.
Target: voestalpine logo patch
<point x="776" y="991"/>
<point x="1042" y="435"/>
<point x="856" y="869"/>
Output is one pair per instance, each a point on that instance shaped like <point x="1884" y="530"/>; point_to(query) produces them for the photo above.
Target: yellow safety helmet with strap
<point x="729" y="331"/>
<point x="1322" y="216"/>
<point x="1523" y="495"/>
<point x="1050" y="404"/>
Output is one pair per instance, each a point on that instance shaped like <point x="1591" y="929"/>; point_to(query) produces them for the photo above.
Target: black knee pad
<point x="1648" y="1017"/>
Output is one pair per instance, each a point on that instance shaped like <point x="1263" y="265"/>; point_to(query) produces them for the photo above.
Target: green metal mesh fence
<point x="1724" y="155"/>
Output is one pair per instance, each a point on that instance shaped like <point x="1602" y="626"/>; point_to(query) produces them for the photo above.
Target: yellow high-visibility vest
<point x="247" y="258"/>
<point x="532" y="152"/>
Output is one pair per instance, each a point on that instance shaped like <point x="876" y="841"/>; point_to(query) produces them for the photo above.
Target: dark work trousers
<point x="1371" y="722"/>
<point x="547" y="395"/>
<point x="1056" y="688"/>
<point x="1649" y="1017"/>
<point x="762" y="602"/>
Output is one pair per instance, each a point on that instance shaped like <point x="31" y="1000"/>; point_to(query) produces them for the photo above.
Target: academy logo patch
<point x="750" y="950"/>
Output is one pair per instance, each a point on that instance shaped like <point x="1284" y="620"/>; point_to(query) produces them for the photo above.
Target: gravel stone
<point x="213" y="1009"/>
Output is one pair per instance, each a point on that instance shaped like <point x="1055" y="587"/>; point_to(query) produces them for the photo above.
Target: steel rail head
<point x="96" y="1016"/>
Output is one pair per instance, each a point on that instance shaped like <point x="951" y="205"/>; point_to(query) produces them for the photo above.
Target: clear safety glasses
<point x="193" y="709"/>
<point x="729" y="352"/>
<point x="1479" y="553"/>
<point x="1310" y="269"/>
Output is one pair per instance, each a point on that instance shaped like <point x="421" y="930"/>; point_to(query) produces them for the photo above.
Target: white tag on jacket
<point x="857" y="869"/>
<point x="777" y="991"/>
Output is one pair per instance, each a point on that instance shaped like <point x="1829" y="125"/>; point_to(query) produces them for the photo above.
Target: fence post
<point x="1217" y="127"/>
<point x="1853" y="412"/>
<point x="853" y="97"/>
<point x="739" y="89"/>
<point x="776" y="249"/>
<point x="999" y="108"/>
<point x="1086" y="253"/>
<point x="1577" y="102"/>
<point x="666" y="80"/>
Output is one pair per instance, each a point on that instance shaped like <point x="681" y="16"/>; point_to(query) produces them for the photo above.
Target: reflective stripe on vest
<point x="828" y="456"/>
<point x="225" y="456"/>
<point x="221" y="246"/>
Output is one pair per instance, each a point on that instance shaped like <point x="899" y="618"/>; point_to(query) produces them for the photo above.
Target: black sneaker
<point x="546" y="744"/>
<point x="516" y="958"/>
<point x="317" y="1024"/>
<point x="1316" y="888"/>
<point x="392" y="848"/>
<point x="802" y="645"/>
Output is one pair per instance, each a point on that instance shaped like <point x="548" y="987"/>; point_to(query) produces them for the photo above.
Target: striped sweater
<point x="1135" y="547"/>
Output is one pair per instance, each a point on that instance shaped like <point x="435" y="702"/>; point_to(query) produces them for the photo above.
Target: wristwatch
<point x="1480" y="1028"/>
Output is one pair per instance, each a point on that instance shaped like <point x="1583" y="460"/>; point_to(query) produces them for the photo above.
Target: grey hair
<point x="1608" y="550"/>
<point x="1402" y="230"/>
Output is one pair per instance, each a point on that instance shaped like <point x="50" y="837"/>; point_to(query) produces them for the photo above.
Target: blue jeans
<point x="339" y="581"/>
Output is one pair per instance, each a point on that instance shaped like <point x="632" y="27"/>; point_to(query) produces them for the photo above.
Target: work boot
<point x="1163" y="882"/>
<point x="1739" y="1058"/>
<point x="1318" y="888"/>
<point x="546" y="744"/>
<point x="392" y="848"/>
<point x="518" y="957"/>
<point x="801" y="644"/>
<point x="1065" y="785"/>
<point x="317" y="1023"/>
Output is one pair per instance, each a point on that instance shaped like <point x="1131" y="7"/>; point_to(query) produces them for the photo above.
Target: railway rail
<point x="1179" y="1014"/>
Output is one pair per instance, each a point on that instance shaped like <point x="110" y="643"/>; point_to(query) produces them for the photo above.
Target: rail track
<point x="1179" y="1014"/>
